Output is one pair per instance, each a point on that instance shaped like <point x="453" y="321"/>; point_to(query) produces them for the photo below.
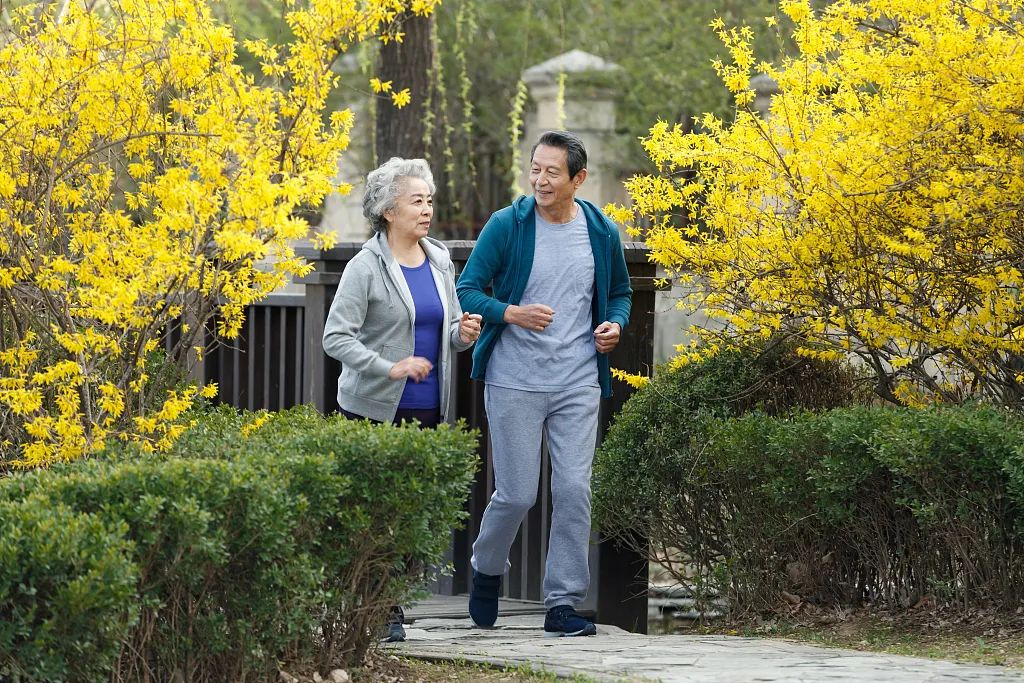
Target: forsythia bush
<point x="876" y="211"/>
<point x="143" y="177"/>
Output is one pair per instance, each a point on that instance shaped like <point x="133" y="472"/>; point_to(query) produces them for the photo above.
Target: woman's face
<point x="410" y="216"/>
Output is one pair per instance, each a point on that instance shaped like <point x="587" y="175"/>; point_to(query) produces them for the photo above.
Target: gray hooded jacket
<point x="372" y="325"/>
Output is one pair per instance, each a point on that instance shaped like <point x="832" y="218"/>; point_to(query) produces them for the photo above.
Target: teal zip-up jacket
<point x="503" y="259"/>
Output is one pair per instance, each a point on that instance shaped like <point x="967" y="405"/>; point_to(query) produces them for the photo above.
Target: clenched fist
<point x="534" y="317"/>
<point x="469" y="327"/>
<point x="606" y="336"/>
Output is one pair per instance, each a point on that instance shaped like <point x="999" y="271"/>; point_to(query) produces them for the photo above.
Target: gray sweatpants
<point x="517" y="420"/>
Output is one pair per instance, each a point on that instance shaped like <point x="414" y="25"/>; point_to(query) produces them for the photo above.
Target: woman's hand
<point x="469" y="327"/>
<point x="415" y="368"/>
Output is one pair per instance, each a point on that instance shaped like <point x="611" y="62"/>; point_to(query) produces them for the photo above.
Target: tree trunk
<point x="400" y="132"/>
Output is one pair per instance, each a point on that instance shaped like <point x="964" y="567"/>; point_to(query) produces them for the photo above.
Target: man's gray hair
<point x="385" y="183"/>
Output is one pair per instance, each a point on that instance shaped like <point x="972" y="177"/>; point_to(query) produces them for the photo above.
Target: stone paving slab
<point x="456" y="607"/>
<point x="615" y="655"/>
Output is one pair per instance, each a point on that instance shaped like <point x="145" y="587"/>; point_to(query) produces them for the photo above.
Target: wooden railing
<point x="278" y="362"/>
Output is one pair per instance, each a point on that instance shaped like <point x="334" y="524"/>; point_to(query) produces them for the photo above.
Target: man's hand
<point x="469" y="327"/>
<point x="533" y="317"/>
<point x="415" y="368"/>
<point x="606" y="336"/>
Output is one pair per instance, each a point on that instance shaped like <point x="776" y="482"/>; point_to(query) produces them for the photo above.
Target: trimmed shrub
<point x="222" y="579"/>
<point x="654" y="490"/>
<point x="923" y="502"/>
<point x="263" y="544"/>
<point x="404" y="494"/>
<point x="852" y="505"/>
<point x="67" y="593"/>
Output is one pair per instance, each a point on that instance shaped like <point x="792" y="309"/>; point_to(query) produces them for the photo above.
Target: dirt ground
<point x="383" y="668"/>
<point x="962" y="635"/>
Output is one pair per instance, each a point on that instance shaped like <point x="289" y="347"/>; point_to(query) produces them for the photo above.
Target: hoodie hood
<point x="524" y="207"/>
<point x="435" y="250"/>
<point x="391" y="272"/>
<point x="437" y="253"/>
<point x="378" y="244"/>
<point x="386" y="264"/>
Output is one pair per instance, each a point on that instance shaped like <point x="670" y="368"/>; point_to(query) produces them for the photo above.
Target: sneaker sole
<point x="485" y="608"/>
<point x="589" y="631"/>
<point x="489" y="628"/>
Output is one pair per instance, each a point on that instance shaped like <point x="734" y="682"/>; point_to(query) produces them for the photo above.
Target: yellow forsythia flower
<point x="401" y="98"/>
<point x="872" y="211"/>
<point x="635" y="381"/>
<point x="205" y="199"/>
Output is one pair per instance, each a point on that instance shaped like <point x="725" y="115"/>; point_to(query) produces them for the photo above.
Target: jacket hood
<point x="378" y="244"/>
<point x="436" y="252"/>
<point x="524" y="205"/>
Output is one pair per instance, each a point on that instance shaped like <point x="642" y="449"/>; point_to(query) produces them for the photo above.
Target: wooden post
<point x="314" y="359"/>
<point x="622" y="573"/>
<point x="318" y="371"/>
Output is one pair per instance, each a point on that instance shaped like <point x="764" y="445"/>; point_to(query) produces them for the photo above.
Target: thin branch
<point x="120" y="141"/>
<point x="892" y="33"/>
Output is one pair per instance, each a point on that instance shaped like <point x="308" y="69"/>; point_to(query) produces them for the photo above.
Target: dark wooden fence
<point x="278" y="362"/>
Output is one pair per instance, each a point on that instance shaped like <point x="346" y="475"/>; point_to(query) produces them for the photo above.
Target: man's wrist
<point x="510" y="314"/>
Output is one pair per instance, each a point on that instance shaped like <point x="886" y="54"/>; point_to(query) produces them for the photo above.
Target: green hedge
<point x="647" y="459"/>
<point x="286" y="544"/>
<point x="846" y="506"/>
<point x="66" y="589"/>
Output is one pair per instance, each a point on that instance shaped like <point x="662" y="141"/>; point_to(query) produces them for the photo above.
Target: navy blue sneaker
<point x="563" y="620"/>
<point x="483" y="599"/>
<point x="394" y="631"/>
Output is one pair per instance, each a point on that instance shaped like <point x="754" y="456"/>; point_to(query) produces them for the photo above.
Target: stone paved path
<point x="615" y="655"/>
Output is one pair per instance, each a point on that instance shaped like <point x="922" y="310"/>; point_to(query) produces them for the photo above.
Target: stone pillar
<point x="589" y="107"/>
<point x="765" y="87"/>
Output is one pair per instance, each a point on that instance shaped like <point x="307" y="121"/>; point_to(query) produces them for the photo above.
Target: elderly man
<point x="561" y="299"/>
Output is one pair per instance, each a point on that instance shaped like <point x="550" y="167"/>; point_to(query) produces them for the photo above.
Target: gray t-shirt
<point x="564" y="355"/>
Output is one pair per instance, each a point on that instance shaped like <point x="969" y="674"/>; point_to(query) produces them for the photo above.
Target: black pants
<point x="428" y="417"/>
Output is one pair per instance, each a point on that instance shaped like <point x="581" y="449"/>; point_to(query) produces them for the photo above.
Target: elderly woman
<point x="396" y="319"/>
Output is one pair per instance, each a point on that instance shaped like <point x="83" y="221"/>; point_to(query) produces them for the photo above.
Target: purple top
<point x="429" y="325"/>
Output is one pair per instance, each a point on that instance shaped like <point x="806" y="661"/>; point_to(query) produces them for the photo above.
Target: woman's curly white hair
<point x="385" y="183"/>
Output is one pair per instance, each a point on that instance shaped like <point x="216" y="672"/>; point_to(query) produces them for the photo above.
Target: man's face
<point x="549" y="178"/>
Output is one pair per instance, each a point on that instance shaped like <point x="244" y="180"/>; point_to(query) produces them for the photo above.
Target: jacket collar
<point x="524" y="207"/>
